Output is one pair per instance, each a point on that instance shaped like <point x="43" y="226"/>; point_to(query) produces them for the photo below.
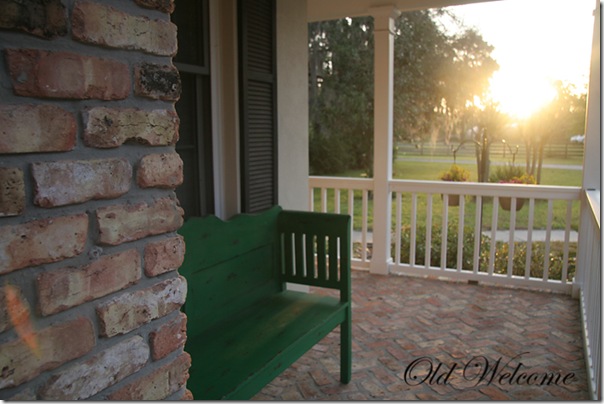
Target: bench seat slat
<point x="251" y="339"/>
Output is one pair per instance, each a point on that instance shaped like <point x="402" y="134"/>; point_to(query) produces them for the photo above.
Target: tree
<point x="436" y="75"/>
<point x="559" y="119"/>
<point x="341" y="94"/>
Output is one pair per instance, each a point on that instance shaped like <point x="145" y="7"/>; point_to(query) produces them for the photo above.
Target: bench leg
<point x="346" y="348"/>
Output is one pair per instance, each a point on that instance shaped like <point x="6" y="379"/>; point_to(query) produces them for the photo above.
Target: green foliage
<point x="455" y="173"/>
<point x="511" y="174"/>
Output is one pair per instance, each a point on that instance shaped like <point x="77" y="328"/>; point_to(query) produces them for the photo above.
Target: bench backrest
<point x="315" y="250"/>
<point x="228" y="265"/>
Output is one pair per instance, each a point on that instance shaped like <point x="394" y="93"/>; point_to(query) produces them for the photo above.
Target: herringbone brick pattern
<point x="422" y="339"/>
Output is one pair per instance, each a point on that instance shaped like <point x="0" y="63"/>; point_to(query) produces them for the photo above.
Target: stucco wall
<point x="292" y="95"/>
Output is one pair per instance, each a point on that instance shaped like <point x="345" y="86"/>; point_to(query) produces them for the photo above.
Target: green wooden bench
<point x="244" y="328"/>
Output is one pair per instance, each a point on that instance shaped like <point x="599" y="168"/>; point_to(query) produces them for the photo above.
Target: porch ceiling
<point x="321" y="10"/>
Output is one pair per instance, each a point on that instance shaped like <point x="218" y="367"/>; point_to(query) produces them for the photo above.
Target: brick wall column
<point x="89" y="288"/>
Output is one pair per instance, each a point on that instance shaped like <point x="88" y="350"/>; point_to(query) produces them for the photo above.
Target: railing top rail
<point x="593" y="200"/>
<point x="487" y="189"/>
<point x="340" y="182"/>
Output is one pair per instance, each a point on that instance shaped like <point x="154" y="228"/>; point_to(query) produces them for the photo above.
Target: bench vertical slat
<point x="288" y="259"/>
<point x="333" y="258"/>
<point x="299" y="256"/>
<point x="310" y="256"/>
<point x="321" y="261"/>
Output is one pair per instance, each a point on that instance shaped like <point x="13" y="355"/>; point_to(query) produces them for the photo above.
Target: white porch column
<point x="592" y="156"/>
<point x="383" y="21"/>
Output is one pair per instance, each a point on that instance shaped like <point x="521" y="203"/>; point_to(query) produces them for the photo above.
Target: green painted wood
<point x="243" y="328"/>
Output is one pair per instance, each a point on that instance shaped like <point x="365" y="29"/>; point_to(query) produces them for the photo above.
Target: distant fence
<point x="559" y="150"/>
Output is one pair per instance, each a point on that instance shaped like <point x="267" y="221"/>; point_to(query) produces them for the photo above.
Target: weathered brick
<point x="102" y="25"/>
<point x="38" y="73"/>
<point x="43" y="18"/>
<point x="158" y="385"/>
<point x="107" y="128"/>
<point x="167" y="6"/>
<point x="85" y="379"/>
<point x="36" y="128"/>
<point x="68" y="287"/>
<point x="12" y="192"/>
<point x="169" y="337"/>
<point x="42" y="241"/>
<point x="57" y="345"/>
<point x="157" y="82"/>
<point x="67" y="182"/>
<point x="160" y="170"/>
<point x="123" y="223"/>
<point x="164" y="256"/>
<point x="131" y="310"/>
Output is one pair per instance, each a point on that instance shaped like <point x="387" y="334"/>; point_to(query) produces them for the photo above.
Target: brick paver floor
<point x="423" y="339"/>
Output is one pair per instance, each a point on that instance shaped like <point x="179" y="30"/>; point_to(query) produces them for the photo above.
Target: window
<point x="196" y="194"/>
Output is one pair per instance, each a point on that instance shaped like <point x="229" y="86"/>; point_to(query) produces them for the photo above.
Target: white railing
<point x="346" y="195"/>
<point x="475" y="249"/>
<point x="589" y="281"/>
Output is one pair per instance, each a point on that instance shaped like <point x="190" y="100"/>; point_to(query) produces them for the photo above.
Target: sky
<point x="536" y="41"/>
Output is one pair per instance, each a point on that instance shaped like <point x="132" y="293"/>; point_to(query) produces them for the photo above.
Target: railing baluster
<point x="323" y="199"/>
<point x="511" y="244"/>
<point x="569" y="215"/>
<point x="529" y="239"/>
<point x="413" y="229"/>
<point x="444" y="230"/>
<point x="428" y="231"/>
<point x="398" y="225"/>
<point x="364" y="225"/>
<point x="336" y="197"/>
<point x="548" y="236"/>
<point x="493" y="235"/>
<point x="460" y="232"/>
<point x="477" y="234"/>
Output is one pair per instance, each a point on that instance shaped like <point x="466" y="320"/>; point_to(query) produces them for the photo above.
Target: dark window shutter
<point x="257" y="93"/>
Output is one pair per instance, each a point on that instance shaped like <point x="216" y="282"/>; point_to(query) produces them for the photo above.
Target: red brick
<point x="36" y="128"/>
<point x="157" y="82"/>
<point x="169" y="337"/>
<point x="158" y="385"/>
<point x="68" y="182"/>
<point x="49" y="20"/>
<point x="108" y="128"/>
<point x="12" y="192"/>
<point x="160" y="170"/>
<point x="37" y="73"/>
<point x="68" y="287"/>
<point x="57" y="345"/>
<point x="102" y="25"/>
<point x="42" y="241"/>
<point x="164" y="256"/>
<point x="131" y="310"/>
<point x="85" y="379"/>
<point x="167" y="6"/>
<point x="123" y="223"/>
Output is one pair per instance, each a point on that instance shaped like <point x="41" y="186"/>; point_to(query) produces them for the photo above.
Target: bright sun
<point x="520" y="94"/>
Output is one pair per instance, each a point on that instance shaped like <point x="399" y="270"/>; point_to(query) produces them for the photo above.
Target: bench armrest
<point x="315" y="250"/>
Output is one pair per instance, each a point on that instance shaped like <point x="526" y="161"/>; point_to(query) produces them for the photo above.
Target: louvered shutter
<point x="257" y="75"/>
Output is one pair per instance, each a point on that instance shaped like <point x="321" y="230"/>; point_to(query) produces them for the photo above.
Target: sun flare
<point x="521" y="95"/>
